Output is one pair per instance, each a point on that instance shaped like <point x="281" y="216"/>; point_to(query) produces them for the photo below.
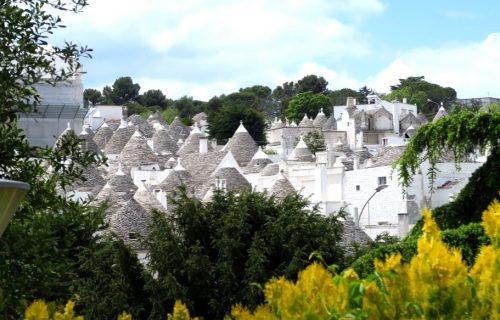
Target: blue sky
<point x="203" y="48"/>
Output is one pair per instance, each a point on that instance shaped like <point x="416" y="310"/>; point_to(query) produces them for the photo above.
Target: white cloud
<point x="472" y="69"/>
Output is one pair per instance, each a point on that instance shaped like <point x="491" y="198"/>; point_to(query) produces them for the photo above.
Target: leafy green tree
<point x="39" y="251"/>
<point x="223" y="124"/>
<point x="170" y="113"/>
<point x="212" y="255"/>
<point x="153" y="98"/>
<point x="417" y="86"/>
<point x="363" y="94"/>
<point x="282" y="95"/>
<point x="339" y="97"/>
<point x="123" y="90"/>
<point x="213" y="105"/>
<point x="264" y="101"/>
<point x="92" y="96"/>
<point x="307" y="103"/>
<point x="311" y="83"/>
<point x="314" y="140"/>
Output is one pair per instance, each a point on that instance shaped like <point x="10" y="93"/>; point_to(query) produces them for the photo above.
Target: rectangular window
<point x="382" y="180"/>
<point x="358" y="188"/>
<point x="220" y="184"/>
<point x="132" y="236"/>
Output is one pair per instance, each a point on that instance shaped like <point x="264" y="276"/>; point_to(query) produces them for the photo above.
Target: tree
<point x="169" y="114"/>
<point x="307" y="103"/>
<point x="363" y="94"/>
<point x="223" y="124"/>
<point x="153" y="98"/>
<point x="311" y="83"/>
<point x="92" y="96"/>
<point x="39" y="249"/>
<point x="264" y="101"/>
<point x="123" y="90"/>
<point x="427" y="96"/>
<point x="212" y="255"/>
<point x="315" y="141"/>
<point x="282" y="95"/>
<point x="339" y="97"/>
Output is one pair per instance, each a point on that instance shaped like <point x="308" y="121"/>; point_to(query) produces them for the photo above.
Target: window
<point x="132" y="236"/>
<point x="384" y="141"/>
<point x="382" y="180"/>
<point x="220" y="184"/>
<point x="358" y="188"/>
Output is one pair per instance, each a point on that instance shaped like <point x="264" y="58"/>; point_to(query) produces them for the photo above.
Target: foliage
<point x="314" y="141"/>
<point x="169" y="114"/>
<point x="223" y="124"/>
<point x="110" y="280"/>
<point x="307" y="103"/>
<point x="135" y="108"/>
<point x="311" y="83"/>
<point x="419" y="92"/>
<point x="39" y="310"/>
<point x="458" y="134"/>
<point x="92" y="97"/>
<point x="180" y="312"/>
<point x="123" y="90"/>
<point x="214" y="254"/>
<point x="435" y="284"/>
<point x="153" y="98"/>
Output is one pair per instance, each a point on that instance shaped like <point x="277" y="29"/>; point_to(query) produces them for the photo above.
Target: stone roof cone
<point x="119" y="138"/>
<point x="301" y="152"/>
<point x="242" y="145"/>
<point x="163" y="142"/>
<point x="422" y="118"/>
<point x="121" y="182"/>
<point x="234" y="180"/>
<point x="305" y="122"/>
<point x="320" y="119"/>
<point x="89" y="130"/>
<point x="259" y="161"/>
<point x="330" y="124"/>
<point x="87" y="143"/>
<point x="157" y="117"/>
<point x="192" y="143"/>
<point x="440" y="114"/>
<point x="131" y="220"/>
<point x="282" y="188"/>
<point x="271" y="169"/>
<point x="176" y="178"/>
<point x="146" y="128"/>
<point x="178" y="130"/>
<point x="66" y="133"/>
<point x="147" y="199"/>
<point x="103" y="135"/>
<point x="137" y="153"/>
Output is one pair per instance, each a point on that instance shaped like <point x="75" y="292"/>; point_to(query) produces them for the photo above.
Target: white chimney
<point x="404" y="100"/>
<point x="203" y="144"/>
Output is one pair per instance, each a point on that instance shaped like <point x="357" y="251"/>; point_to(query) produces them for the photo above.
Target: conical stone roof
<point x="422" y="118"/>
<point x="301" y="153"/>
<point x="115" y="200"/>
<point x="137" y="153"/>
<point x="440" y="114"/>
<point x="121" y="182"/>
<point x="119" y="139"/>
<point x="147" y="199"/>
<point x="320" y="119"/>
<point x="305" y="122"/>
<point x="102" y="136"/>
<point x="131" y="223"/>
<point x="89" y="130"/>
<point x="146" y="128"/>
<point x="164" y="143"/>
<point x="234" y="181"/>
<point x="259" y="161"/>
<point x="67" y="133"/>
<point x="330" y="124"/>
<point x="282" y="188"/>
<point x="242" y="146"/>
<point x="178" y="130"/>
<point x="271" y="169"/>
<point x="87" y="143"/>
<point x="92" y="178"/>
<point x="157" y="117"/>
<point x="176" y="178"/>
<point x="192" y="143"/>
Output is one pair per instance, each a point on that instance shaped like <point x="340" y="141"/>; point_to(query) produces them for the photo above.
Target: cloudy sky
<point x="203" y="48"/>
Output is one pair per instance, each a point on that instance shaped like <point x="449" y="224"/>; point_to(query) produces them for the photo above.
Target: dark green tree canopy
<point x="152" y="98"/>
<point x="223" y="124"/>
<point x="123" y="90"/>
<point x="307" y="103"/>
<point x="427" y="96"/>
<point x="311" y="83"/>
<point x="92" y="96"/>
<point x="212" y="255"/>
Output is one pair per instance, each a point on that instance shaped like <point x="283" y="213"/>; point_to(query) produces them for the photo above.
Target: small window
<point x="358" y="188"/>
<point x="382" y="180"/>
<point x="384" y="141"/>
<point x="220" y="184"/>
<point x="132" y="236"/>
<point x="156" y="191"/>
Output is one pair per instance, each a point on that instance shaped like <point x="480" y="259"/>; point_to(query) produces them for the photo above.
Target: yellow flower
<point x="181" y="312"/>
<point x="125" y="316"/>
<point x="491" y="222"/>
<point x="37" y="311"/>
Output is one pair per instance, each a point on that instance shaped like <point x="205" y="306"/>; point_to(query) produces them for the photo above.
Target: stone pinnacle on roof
<point x="242" y="145"/>
<point x="121" y="182"/>
<point x="103" y="135"/>
<point x="87" y="143"/>
<point x="301" y="152"/>
<point x="67" y="133"/>
<point x="137" y="152"/>
<point x="320" y="119"/>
